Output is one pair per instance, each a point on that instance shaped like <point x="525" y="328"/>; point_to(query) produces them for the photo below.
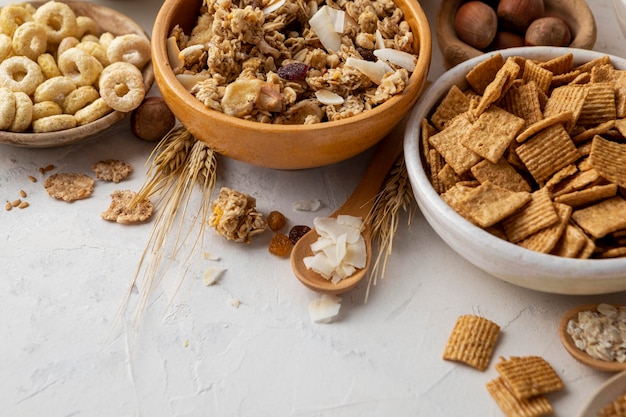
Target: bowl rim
<point x="411" y="92"/>
<point x="554" y="268"/>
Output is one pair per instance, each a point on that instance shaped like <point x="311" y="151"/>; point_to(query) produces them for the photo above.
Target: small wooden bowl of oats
<point x="106" y="20"/>
<point x="575" y="13"/>
<point x="282" y="124"/>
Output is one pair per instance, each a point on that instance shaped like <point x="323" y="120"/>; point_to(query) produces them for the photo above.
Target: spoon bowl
<point x="578" y="354"/>
<point x="358" y="204"/>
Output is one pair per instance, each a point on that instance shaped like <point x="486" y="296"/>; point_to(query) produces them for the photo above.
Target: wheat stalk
<point x="395" y="194"/>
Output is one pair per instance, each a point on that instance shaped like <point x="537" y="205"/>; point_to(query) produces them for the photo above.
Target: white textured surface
<point x="64" y="273"/>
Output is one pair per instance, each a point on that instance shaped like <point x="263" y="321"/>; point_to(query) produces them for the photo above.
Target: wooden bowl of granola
<point x="276" y="144"/>
<point x="576" y="13"/>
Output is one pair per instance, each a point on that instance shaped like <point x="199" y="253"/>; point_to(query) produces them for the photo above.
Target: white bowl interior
<point x="495" y="256"/>
<point x="620" y="13"/>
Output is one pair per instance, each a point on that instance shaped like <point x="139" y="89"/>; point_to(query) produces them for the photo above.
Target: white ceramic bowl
<point x="495" y="256"/>
<point x="606" y="393"/>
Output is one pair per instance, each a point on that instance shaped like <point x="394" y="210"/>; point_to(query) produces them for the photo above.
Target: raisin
<point x="280" y="245"/>
<point x="297" y="232"/>
<point x="295" y="71"/>
<point x="276" y="220"/>
<point x="366" y="54"/>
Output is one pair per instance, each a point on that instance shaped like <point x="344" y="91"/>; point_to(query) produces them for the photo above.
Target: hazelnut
<point x="548" y="31"/>
<point x="476" y="24"/>
<point x="152" y="119"/>
<point x="504" y="40"/>
<point x="517" y="15"/>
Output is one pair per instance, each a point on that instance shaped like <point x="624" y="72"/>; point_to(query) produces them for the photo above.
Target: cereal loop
<point x="7" y="108"/>
<point x="92" y="112"/>
<point x="6" y="46"/>
<point x="30" y="40"/>
<point x="85" y="25"/>
<point x="54" y="89"/>
<point x="12" y="16"/>
<point x="65" y="44"/>
<point x="81" y="67"/>
<point x="96" y="50"/>
<point x="58" y="19"/>
<point x="19" y="73"/>
<point x="23" y="112"/>
<point x="121" y="86"/>
<point x="45" y="109"/>
<point x="131" y="48"/>
<point x="54" y="123"/>
<point x="79" y="98"/>
<point x="48" y="66"/>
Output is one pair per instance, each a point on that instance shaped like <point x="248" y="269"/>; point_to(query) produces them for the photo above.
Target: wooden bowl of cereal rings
<point x="297" y="104"/>
<point x="68" y="71"/>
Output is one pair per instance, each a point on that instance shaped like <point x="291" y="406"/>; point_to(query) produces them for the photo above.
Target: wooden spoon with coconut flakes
<point x="358" y="204"/>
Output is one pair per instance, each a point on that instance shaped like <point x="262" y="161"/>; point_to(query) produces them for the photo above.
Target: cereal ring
<point x="106" y="38"/>
<point x="92" y="112"/>
<point x="45" y="109"/>
<point x="58" y="19"/>
<point x="30" y="40"/>
<point x="12" y="16"/>
<point x="85" y="25"/>
<point x="54" y="89"/>
<point x="131" y="48"/>
<point x="121" y="86"/>
<point x="7" y="108"/>
<point x="48" y="66"/>
<point x="79" y="98"/>
<point x="54" y="123"/>
<point x="65" y="44"/>
<point x="96" y="50"/>
<point x="19" y="73"/>
<point x="6" y="46"/>
<point x="90" y="38"/>
<point x="23" y="112"/>
<point x="81" y="67"/>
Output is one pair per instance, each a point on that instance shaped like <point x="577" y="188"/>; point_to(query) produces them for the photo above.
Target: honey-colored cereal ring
<point x="106" y="38"/>
<point x="30" y="40"/>
<point x="7" y="108"/>
<point x="85" y="25"/>
<point x="19" y="73"/>
<point x="81" y="67"/>
<point x="6" y="46"/>
<point x="131" y="48"/>
<point x="23" y="112"/>
<point x="48" y="66"/>
<point x="65" y="44"/>
<point x="121" y="86"/>
<point x="12" y="16"/>
<point x="58" y="19"/>
<point x="54" y="89"/>
<point x="96" y="50"/>
<point x="54" y="123"/>
<point x="79" y="98"/>
<point x="92" y="112"/>
<point x="45" y="109"/>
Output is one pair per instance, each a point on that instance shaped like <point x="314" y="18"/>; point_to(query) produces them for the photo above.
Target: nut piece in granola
<point x="112" y="170"/>
<point x="125" y="210"/>
<point x="69" y="186"/>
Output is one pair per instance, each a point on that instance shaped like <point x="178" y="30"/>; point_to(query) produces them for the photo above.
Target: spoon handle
<point x="362" y="198"/>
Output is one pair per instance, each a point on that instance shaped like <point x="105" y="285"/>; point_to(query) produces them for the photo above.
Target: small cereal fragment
<point x="69" y="186"/>
<point x="276" y="220"/>
<point x="125" y="210"/>
<point x="280" y="245"/>
<point x="112" y="170"/>
<point x="472" y="341"/>
<point x="528" y="376"/>
<point x="515" y="407"/>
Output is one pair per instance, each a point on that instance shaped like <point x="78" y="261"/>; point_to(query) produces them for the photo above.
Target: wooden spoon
<point x="580" y="355"/>
<point x="358" y="204"/>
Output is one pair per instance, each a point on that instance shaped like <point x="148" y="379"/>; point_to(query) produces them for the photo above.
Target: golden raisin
<point x="280" y="245"/>
<point x="276" y="220"/>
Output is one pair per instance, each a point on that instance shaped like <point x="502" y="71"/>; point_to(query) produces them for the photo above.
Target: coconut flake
<point x="324" y="309"/>
<point x="324" y="27"/>
<point x="188" y="81"/>
<point x="274" y="6"/>
<point x="212" y="275"/>
<point x="379" y="40"/>
<point x="307" y="205"/>
<point x="403" y="59"/>
<point x="173" y="54"/>
<point x="328" y="97"/>
<point x="375" y="71"/>
<point x="338" y="18"/>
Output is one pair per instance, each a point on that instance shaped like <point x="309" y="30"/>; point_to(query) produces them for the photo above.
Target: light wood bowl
<point x="109" y="20"/>
<point x="582" y="356"/>
<point x="576" y="13"/>
<point x="282" y="146"/>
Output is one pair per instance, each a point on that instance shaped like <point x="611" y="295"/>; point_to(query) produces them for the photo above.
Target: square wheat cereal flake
<point x="538" y="214"/>
<point x="609" y="159"/>
<point x="454" y="103"/>
<point x="572" y="242"/>
<point x="566" y="98"/>
<point x="472" y="341"/>
<point x="599" y="105"/>
<point x="484" y="73"/>
<point x="541" y="76"/>
<point x="587" y="196"/>
<point x="602" y="218"/>
<point x="523" y="101"/>
<point x="528" y="376"/>
<point x="546" y="239"/>
<point x="490" y="135"/>
<point x="559" y="65"/>
<point x="489" y="204"/>
<point x="448" y="144"/>
<point x="515" y="407"/>
<point x="502" y="174"/>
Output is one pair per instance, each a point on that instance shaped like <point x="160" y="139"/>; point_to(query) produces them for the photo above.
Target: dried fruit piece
<point x="297" y="232"/>
<point x="295" y="71"/>
<point x="276" y="220"/>
<point x="280" y="245"/>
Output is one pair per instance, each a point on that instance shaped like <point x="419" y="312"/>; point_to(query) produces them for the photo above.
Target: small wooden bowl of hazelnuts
<point x="468" y="28"/>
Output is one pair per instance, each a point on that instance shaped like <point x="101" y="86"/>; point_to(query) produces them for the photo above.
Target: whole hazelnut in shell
<point x="548" y="31"/>
<point x="152" y="119"/>
<point x="476" y="24"/>
<point x="517" y="15"/>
